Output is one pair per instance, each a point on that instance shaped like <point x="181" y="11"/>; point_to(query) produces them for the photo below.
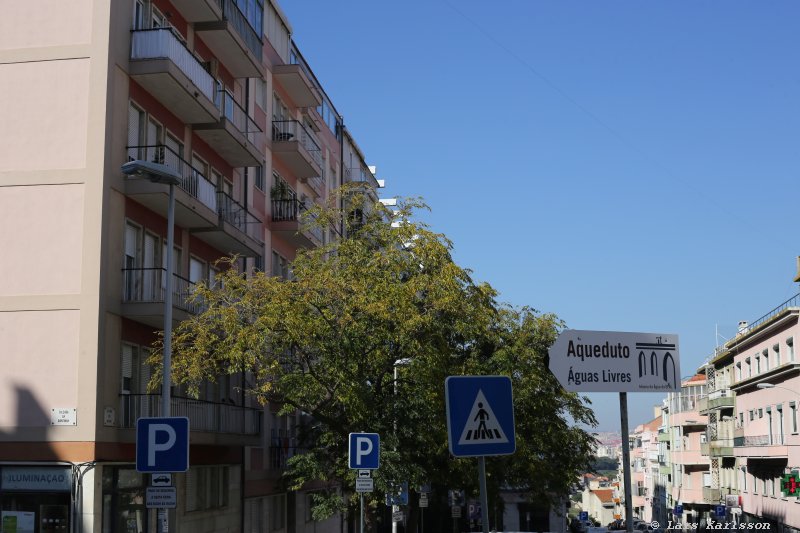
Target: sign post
<point x="364" y="453"/>
<point x="614" y="361"/>
<point x="480" y="422"/>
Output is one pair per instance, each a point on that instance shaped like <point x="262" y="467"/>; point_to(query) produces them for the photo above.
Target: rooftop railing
<point x="293" y="130"/>
<point x="213" y="417"/>
<point x="158" y="43"/>
<point x="794" y="301"/>
<point x="191" y="180"/>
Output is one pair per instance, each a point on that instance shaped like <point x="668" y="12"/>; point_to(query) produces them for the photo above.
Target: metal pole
<point x="626" y="461"/>
<point x="362" y="512"/>
<point x="484" y="496"/>
<point x="163" y="522"/>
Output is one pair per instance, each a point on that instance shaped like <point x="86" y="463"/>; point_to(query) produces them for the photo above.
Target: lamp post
<point x="158" y="173"/>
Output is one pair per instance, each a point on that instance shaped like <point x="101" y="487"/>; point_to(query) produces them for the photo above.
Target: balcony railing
<point x="292" y="130"/>
<point x="291" y="210"/>
<point x="794" y="301"/>
<point x="191" y="180"/>
<point x="148" y="285"/>
<point x="158" y="43"/>
<point x="235" y="214"/>
<point x="231" y="12"/>
<point x="236" y="114"/>
<point x="213" y="417"/>
<point x="759" y="440"/>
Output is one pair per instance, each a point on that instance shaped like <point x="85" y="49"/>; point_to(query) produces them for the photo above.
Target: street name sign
<point x="615" y="361"/>
<point x="364" y="451"/>
<point x="480" y="415"/>
<point x="162" y="444"/>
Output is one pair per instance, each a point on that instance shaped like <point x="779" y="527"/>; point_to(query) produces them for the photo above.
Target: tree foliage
<point x="363" y="338"/>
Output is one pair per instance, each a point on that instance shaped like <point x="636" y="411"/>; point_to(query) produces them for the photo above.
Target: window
<point x="752" y="416"/>
<point x="258" y="263"/>
<point x="206" y="488"/>
<point x="790" y="347"/>
<point x="741" y="419"/>
<point x="280" y="266"/>
<point x="258" y="179"/>
<point x="138" y="14"/>
<point x="739" y="371"/>
<point x="254" y="515"/>
<point x="277" y="512"/>
<point x="793" y="408"/>
<point x="758" y="365"/>
<point x="776" y="348"/>
<point x="276" y="32"/>
<point x="760" y="412"/>
<point x="136" y="130"/>
<point x="749" y="367"/>
<point x="765" y="353"/>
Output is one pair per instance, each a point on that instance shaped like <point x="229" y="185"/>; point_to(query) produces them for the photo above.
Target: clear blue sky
<point x="627" y="165"/>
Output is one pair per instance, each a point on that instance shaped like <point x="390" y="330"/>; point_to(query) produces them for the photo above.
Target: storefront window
<point x="124" y="508"/>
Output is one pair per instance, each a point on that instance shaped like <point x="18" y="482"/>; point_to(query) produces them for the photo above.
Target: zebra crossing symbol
<point x="482" y="426"/>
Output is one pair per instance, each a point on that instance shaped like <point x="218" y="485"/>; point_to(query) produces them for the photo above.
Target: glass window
<point x="776" y="348"/>
<point x="790" y="347"/>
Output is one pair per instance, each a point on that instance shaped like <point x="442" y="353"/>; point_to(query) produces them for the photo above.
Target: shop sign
<point x="36" y="478"/>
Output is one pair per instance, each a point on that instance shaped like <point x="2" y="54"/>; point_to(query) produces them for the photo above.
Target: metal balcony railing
<point x="164" y="43"/>
<point x="192" y="180"/>
<point x="148" y="285"/>
<point x="720" y="393"/>
<point x="291" y="210"/>
<point x="235" y="214"/>
<point x="245" y="26"/>
<point x="293" y="130"/>
<point x="759" y="440"/>
<point x="236" y="114"/>
<point x="296" y="58"/>
<point x="794" y="301"/>
<point x="213" y="417"/>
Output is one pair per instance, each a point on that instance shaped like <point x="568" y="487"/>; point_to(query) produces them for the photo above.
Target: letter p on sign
<point x="162" y="444"/>
<point x="364" y="451"/>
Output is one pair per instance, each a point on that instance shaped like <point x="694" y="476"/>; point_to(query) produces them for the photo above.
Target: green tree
<point x="363" y="338"/>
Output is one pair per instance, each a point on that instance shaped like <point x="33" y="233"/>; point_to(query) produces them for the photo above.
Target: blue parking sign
<point x="364" y="451"/>
<point x="162" y="444"/>
<point x="583" y="515"/>
<point x="679" y="509"/>
<point x="720" y="511"/>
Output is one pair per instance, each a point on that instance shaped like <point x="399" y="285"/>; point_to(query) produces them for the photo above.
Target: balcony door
<point x="150" y="269"/>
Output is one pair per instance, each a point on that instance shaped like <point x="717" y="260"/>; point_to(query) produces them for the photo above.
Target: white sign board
<point x="161" y="498"/>
<point x="614" y="361"/>
<point x="364" y="484"/>
<point x="64" y="416"/>
<point x="423" y="500"/>
<point x="455" y="511"/>
<point x="397" y="516"/>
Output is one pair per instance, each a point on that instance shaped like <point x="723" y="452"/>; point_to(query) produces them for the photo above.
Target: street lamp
<point x="158" y="173"/>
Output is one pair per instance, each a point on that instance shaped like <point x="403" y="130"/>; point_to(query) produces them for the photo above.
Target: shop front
<point x="35" y="499"/>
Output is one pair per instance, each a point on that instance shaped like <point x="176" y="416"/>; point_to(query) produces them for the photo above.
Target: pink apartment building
<point x="766" y="381"/>
<point x="217" y="91"/>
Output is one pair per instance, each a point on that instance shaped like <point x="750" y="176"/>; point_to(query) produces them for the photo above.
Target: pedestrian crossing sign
<point x="480" y="415"/>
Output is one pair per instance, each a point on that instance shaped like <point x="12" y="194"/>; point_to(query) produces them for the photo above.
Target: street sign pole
<point x="362" y="512"/>
<point x="626" y="461"/>
<point x="484" y="496"/>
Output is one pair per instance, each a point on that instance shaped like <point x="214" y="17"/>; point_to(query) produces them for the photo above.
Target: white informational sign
<point x="614" y="361"/>
<point x="161" y="498"/>
<point x="17" y="522"/>
<point x="423" y="500"/>
<point x="163" y="479"/>
<point x="365" y="473"/>
<point x="64" y="416"/>
<point x="36" y="478"/>
<point x="397" y="516"/>
<point x="455" y="511"/>
<point x="364" y="484"/>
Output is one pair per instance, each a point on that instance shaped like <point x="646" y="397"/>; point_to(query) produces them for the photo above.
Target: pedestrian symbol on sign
<point x="482" y="425"/>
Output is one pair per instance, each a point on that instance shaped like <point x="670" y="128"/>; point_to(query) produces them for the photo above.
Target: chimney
<point x="742" y="329"/>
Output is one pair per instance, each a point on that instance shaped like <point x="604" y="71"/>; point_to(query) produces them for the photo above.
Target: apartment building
<point x="683" y="469"/>
<point x="218" y="92"/>
<point x="644" y="467"/>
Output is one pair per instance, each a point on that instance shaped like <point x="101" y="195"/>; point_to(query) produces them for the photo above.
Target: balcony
<point x="665" y="469"/>
<point x="711" y="495"/>
<point x="195" y="196"/>
<point x="721" y="447"/>
<point x="143" y="295"/>
<point x="760" y="446"/>
<point x="718" y="399"/>
<point x="211" y="417"/>
<point x="286" y="215"/>
<point x="161" y="63"/>
<point x="292" y="142"/>
<point x="235" y="135"/>
<point x="297" y="80"/>
<point x="238" y="231"/>
<point x="663" y="437"/>
<point x="199" y="10"/>
<point x="233" y="40"/>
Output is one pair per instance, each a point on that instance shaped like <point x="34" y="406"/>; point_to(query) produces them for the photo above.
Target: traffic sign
<point x="679" y="509"/>
<point x="397" y="516"/>
<point x="719" y="510"/>
<point x="614" y="361"/>
<point x="423" y="500"/>
<point x="161" y="497"/>
<point x="425" y="487"/>
<point x="365" y="473"/>
<point x="365" y="484"/>
<point x="480" y="415"/>
<point x="455" y="511"/>
<point x="364" y="451"/>
<point x="162" y="444"/>
<point x="162" y="479"/>
<point x="397" y="494"/>
<point x="583" y="515"/>
<point x="455" y="497"/>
